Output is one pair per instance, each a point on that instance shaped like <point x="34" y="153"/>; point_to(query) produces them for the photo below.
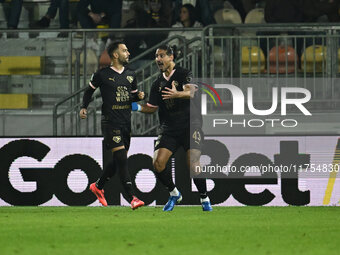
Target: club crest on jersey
<point x="112" y="79"/>
<point x="176" y="83"/>
<point x="129" y="78"/>
<point x="116" y="139"/>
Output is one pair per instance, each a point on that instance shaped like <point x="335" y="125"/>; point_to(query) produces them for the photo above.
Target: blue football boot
<point x="206" y="205"/>
<point x="173" y="200"/>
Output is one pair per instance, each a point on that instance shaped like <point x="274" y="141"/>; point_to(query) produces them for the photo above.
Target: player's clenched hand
<point x="141" y="95"/>
<point x="170" y="93"/>
<point x="83" y="113"/>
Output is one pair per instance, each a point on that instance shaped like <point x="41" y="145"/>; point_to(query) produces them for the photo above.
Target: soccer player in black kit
<point x="174" y="97"/>
<point x="118" y="87"/>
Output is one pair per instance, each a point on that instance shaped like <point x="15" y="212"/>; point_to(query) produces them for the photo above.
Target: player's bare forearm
<point x="184" y="94"/>
<point x="147" y="109"/>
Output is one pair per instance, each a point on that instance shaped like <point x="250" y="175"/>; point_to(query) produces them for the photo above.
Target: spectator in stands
<point x="203" y="11"/>
<point x="14" y="13"/>
<point x="160" y="11"/>
<point x="139" y="42"/>
<point x="102" y="11"/>
<point x="187" y="20"/>
<point x="44" y="22"/>
<point x="288" y="11"/>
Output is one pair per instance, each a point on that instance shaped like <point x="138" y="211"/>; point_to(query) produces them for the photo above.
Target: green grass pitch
<point x="186" y="230"/>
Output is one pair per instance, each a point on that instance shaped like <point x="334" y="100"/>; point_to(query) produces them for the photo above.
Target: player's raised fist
<point x="141" y="95"/>
<point x="83" y="113"/>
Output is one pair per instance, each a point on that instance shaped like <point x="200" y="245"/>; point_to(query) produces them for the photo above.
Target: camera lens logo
<point x="209" y="93"/>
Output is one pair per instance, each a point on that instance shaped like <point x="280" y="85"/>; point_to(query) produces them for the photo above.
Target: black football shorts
<point x="190" y="139"/>
<point x="115" y="136"/>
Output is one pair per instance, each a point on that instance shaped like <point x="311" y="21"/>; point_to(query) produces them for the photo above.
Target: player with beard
<point x="118" y="87"/>
<point x="173" y="96"/>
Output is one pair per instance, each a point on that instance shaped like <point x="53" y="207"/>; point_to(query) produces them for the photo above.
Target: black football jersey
<point x="175" y="114"/>
<point x="116" y="89"/>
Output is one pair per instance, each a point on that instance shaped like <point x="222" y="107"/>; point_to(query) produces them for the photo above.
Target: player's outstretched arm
<point x="148" y="109"/>
<point x="143" y="108"/>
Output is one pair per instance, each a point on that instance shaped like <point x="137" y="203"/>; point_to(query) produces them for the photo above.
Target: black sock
<point x="120" y="157"/>
<point x="165" y="177"/>
<point x="108" y="172"/>
<point x="201" y="185"/>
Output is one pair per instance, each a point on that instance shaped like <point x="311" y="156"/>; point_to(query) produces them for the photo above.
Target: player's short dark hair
<point x="112" y="47"/>
<point x="168" y="50"/>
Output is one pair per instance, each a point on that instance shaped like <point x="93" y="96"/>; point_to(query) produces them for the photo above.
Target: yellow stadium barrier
<point x="29" y="65"/>
<point x="15" y="101"/>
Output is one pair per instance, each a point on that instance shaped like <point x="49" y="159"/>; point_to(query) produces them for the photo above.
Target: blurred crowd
<point x="172" y="13"/>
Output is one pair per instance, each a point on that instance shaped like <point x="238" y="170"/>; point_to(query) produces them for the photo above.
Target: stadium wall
<point x="57" y="171"/>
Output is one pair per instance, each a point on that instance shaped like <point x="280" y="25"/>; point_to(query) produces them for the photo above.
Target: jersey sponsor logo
<point x="112" y="79"/>
<point x="116" y="139"/>
<point x="121" y="107"/>
<point x="129" y="78"/>
<point x="122" y="94"/>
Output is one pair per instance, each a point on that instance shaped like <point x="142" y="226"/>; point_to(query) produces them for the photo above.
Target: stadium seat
<point x="29" y="65"/>
<point x="15" y="101"/>
<point x="314" y="58"/>
<point x="218" y="58"/>
<point x="227" y="16"/>
<point x="255" y="16"/>
<point x="284" y="58"/>
<point x="253" y="60"/>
